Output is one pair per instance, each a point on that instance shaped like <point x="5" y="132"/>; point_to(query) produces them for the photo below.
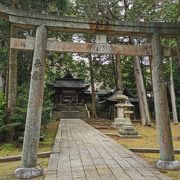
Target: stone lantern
<point x="127" y="129"/>
<point x="128" y="110"/>
<point x="120" y="120"/>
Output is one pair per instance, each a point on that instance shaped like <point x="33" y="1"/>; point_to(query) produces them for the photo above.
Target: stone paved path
<point x="81" y="152"/>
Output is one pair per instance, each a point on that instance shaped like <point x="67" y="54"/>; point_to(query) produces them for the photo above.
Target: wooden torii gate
<point x="40" y="44"/>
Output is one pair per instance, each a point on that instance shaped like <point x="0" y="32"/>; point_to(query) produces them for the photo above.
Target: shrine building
<point x="69" y="89"/>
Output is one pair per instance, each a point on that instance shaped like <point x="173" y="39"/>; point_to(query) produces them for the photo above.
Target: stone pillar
<point x="120" y="111"/>
<point x="127" y="129"/>
<point x="29" y="167"/>
<point x="161" y="109"/>
<point x="120" y="119"/>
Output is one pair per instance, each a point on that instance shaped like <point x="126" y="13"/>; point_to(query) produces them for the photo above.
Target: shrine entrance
<point x="69" y="89"/>
<point x="70" y="96"/>
<point x="40" y="44"/>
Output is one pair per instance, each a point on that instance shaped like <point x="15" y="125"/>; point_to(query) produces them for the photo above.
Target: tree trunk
<point x="2" y="77"/>
<point x="119" y="73"/>
<point x="12" y="81"/>
<point x="1" y="82"/>
<point x="34" y="112"/>
<point x="150" y="63"/>
<point x="178" y="44"/>
<point x="173" y="95"/>
<point x="12" y="70"/>
<point x="114" y="72"/>
<point x="6" y="85"/>
<point x="161" y="102"/>
<point x="143" y="105"/>
<point x="93" y="105"/>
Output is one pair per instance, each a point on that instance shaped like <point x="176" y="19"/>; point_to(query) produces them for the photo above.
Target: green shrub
<point x="2" y="108"/>
<point x="47" y="106"/>
<point x="22" y="103"/>
<point x="10" y="132"/>
<point x="19" y="115"/>
<point x="7" y="146"/>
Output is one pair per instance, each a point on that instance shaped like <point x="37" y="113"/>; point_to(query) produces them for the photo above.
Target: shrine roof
<point x="63" y="83"/>
<point x="68" y="81"/>
<point x="131" y="97"/>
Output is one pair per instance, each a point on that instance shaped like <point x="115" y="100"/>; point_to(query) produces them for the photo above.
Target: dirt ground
<point x="7" y="168"/>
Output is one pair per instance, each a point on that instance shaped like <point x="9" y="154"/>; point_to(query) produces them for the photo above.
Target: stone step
<point x="70" y="115"/>
<point x="66" y="105"/>
<point x="71" y="108"/>
<point x="73" y="114"/>
<point x="72" y="111"/>
<point x="84" y="111"/>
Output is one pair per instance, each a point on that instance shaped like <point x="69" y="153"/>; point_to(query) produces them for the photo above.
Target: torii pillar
<point x="167" y="160"/>
<point x="29" y="168"/>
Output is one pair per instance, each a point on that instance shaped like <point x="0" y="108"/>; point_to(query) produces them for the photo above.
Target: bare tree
<point x="144" y="109"/>
<point x="119" y="73"/>
<point x="92" y="87"/>
<point x="173" y="95"/>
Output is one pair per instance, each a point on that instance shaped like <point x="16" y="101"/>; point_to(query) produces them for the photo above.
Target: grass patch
<point x="151" y="158"/>
<point x="8" y="149"/>
<point x="6" y="169"/>
<point x="149" y="138"/>
<point x="49" y="134"/>
<point x="148" y="135"/>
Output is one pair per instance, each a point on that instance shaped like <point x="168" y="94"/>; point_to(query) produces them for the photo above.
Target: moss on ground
<point x="149" y="137"/>
<point x="8" y="149"/>
<point x="6" y="169"/>
<point x="151" y="158"/>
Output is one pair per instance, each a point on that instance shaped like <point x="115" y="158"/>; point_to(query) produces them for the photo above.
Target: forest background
<point x="100" y="69"/>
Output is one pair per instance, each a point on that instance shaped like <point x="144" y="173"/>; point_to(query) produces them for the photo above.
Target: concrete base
<point x="118" y="122"/>
<point x="128" y="127"/>
<point x="167" y="165"/>
<point x="129" y="136"/>
<point x="127" y="130"/>
<point x="27" y="173"/>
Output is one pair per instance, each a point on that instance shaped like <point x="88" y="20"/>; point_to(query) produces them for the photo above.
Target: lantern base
<point x="118" y="122"/>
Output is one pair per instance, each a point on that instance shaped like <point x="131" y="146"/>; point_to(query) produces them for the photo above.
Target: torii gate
<point x="40" y="44"/>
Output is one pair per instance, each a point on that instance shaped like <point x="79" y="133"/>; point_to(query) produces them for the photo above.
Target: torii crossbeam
<point x="30" y="20"/>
